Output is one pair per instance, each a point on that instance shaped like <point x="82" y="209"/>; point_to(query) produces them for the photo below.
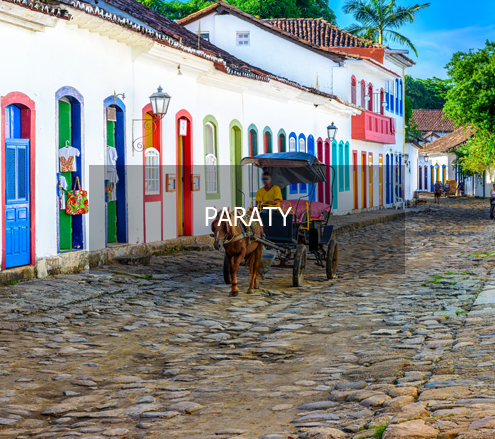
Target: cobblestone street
<point x="400" y="345"/>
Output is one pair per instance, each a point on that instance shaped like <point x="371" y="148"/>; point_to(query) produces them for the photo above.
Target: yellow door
<point x="370" y="176"/>
<point x="380" y="174"/>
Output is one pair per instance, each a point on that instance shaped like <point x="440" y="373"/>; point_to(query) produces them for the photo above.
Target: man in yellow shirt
<point x="269" y="194"/>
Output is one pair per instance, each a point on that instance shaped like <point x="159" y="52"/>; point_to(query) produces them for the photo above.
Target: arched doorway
<point x="184" y="172"/>
<point x="70" y="105"/>
<point x="115" y="164"/>
<point x="18" y="179"/>
<point x="152" y="176"/>
<point x="235" y="166"/>
<point x="282" y="147"/>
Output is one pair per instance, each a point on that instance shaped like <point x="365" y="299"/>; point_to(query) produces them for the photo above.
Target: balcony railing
<point x="373" y="127"/>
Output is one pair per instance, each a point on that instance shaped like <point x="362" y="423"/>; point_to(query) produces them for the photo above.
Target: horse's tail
<point x="251" y="260"/>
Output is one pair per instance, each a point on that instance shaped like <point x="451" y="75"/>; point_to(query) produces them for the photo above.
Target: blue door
<point x="17" y="215"/>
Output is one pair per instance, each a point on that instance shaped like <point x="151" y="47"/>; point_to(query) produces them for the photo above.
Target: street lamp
<point x="331" y="132"/>
<point x="159" y="107"/>
<point x="426" y="158"/>
<point x="159" y="103"/>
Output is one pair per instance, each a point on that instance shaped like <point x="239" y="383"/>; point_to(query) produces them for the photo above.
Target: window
<point x="211" y="159"/>
<point x="400" y="98"/>
<point x="346" y="167"/>
<point x="292" y="144"/>
<point x="341" y="169"/>
<point x="302" y="145"/>
<point x="396" y="85"/>
<point x="205" y="35"/>
<point x="353" y="90"/>
<point x="363" y="94"/>
<point x="253" y="142"/>
<point x="370" y="95"/>
<point x="392" y="98"/>
<point x="268" y="140"/>
<point x="152" y="172"/>
<point x="243" y="38"/>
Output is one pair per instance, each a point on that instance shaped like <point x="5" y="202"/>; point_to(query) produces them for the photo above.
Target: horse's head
<point x="220" y="232"/>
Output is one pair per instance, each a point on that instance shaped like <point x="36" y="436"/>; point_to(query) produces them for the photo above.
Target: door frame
<point x="156" y="126"/>
<point x="234" y="166"/>
<point x="355" y="171"/>
<point x="72" y="92"/>
<point x="370" y="180"/>
<point x="120" y="143"/>
<point x="380" y="179"/>
<point x="364" y="181"/>
<point x="188" y="208"/>
<point x="28" y="131"/>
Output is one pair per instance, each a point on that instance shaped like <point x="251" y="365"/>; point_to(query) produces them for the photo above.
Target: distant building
<point x="433" y="124"/>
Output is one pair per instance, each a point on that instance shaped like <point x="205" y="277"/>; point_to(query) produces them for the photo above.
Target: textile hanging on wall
<point x="61" y="188"/>
<point x="67" y="156"/>
<point x="111" y="177"/>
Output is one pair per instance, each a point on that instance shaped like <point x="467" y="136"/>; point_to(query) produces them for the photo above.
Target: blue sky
<point x="446" y="27"/>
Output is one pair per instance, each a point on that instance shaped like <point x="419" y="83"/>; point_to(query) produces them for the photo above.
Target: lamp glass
<point x="160" y="102"/>
<point x="331" y="131"/>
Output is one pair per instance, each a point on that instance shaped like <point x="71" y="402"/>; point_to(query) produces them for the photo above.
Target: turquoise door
<point x="17" y="215"/>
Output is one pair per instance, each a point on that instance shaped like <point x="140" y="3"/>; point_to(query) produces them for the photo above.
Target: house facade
<point x="371" y="159"/>
<point x="77" y="111"/>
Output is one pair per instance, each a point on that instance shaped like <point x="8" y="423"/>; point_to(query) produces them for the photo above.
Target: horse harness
<point x="249" y="234"/>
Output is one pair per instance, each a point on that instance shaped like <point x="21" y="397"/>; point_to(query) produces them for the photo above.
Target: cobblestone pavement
<point x="401" y="345"/>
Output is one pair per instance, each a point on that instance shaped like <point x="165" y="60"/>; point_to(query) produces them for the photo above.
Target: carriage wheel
<point x="299" y="265"/>
<point x="226" y="271"/>
<point x="332" y="259"/>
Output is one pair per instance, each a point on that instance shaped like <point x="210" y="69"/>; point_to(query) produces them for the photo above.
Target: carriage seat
<point x="317" y="209"/>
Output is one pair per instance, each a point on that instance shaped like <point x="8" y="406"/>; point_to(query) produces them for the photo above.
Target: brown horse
<point x="237" y="247"/>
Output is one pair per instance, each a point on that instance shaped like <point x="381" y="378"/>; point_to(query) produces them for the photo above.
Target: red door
<point x="184" y="175"/>
<point x="355" y="178"/>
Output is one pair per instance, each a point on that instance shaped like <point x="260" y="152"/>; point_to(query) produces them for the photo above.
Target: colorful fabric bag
<point x="77" y="200"/>
<point x="108" y="191"/>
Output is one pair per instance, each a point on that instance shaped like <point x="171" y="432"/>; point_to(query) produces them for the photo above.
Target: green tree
<point x="175" y="9"/>
<point x="379" y="20"/>
<point x="471" y="103"/>
<point x="430" y="94"/>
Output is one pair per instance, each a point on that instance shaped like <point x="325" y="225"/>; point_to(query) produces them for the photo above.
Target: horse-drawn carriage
<point x="306" y="227"/>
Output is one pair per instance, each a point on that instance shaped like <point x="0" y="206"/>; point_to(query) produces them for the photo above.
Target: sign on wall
<point x="183" y="127"/>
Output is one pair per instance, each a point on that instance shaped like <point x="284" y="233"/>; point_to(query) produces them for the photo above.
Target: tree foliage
<point x="380" y="20"/>
<point x="471" y="103"/>
<point x="175" y="9"/>
<point x="429" y="94"/>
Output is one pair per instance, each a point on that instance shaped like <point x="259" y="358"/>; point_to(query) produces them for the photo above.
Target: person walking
<point x="437" y="191"/>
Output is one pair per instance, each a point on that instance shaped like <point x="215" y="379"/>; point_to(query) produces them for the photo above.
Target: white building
<point x="369" y="154"/>
<point x="84" y="73"/>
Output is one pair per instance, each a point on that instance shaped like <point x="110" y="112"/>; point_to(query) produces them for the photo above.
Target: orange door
<point x="364" y="182"/>
<point x="370" y="177"/>
<point x="355" y="178"/>
<point x="380" y="176"/>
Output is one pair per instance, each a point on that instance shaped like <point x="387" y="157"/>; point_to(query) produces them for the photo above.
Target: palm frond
<point x="399" y="38"/>
<point x="405" y="14"/>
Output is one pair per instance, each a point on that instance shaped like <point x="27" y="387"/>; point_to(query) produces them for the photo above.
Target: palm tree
<point x="379" y="20"/>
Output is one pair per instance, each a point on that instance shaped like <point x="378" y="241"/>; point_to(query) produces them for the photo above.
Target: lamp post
<point x="159" y="107"/>
<point x="331" y="132"/>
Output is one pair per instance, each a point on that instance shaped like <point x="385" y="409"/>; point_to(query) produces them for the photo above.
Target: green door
<point x="64" y="136"/>
<point x="112" y="205"/>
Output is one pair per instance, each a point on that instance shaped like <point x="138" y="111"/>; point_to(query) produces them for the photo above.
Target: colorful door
<point x="236" y="138"/>
<point x="364" y="182"/>
<point x="65" y="138"/>
<point x="355" y="178"/>
<point x="184" y="175"/>
<point x="380" y="178"/>
<point x="335" y="177"/>
<point x="111" y="205"/>
<point x="17" y="212"/>
<point x="370" y="177"/>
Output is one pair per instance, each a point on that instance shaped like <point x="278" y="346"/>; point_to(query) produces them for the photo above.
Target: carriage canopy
<point x="289" y="167"/>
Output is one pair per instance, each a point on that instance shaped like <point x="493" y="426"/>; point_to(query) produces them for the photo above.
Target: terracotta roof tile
<point x="320" y="32"/>
<point x="432" y="120"/>
<point x="168" y="32"/>
<point x="450" y="141"/>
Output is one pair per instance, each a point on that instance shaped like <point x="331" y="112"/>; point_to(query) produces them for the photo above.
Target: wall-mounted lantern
<point x="159" y="106"/>
<point x="426" y="158"/>
<point x="331" y="132"/>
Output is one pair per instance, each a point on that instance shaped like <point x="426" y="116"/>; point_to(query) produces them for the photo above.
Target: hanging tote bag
<point x="77" y="200"/>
